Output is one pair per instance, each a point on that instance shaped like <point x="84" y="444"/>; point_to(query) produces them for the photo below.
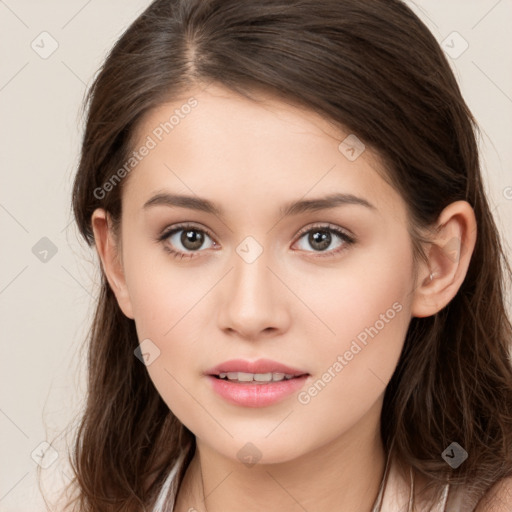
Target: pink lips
<point x="250" y="394"/>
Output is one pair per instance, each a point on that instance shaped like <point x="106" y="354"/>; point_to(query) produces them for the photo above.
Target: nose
<point x="253" y="302"/>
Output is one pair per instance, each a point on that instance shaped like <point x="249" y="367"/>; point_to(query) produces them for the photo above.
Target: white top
<point x="394" y="493"/>
<point x="167" y="497"/>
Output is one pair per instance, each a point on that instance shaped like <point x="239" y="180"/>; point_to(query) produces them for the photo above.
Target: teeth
<point x="255" y="377"/>
<point x="266" y="377"/>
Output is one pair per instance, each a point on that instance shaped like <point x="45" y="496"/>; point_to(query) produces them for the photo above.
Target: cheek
<point x="352" y="371"/>
<point x="366" y="309"/>
<point x="366" y="297"/>
<point x="171" y="306"/>
<point x="168" y="310"/>
<point x="160" y="291"/>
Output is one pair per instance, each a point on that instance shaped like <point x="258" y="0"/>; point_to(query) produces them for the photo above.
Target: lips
<point x="258" y="383"/>
<point x="260" y="366"/>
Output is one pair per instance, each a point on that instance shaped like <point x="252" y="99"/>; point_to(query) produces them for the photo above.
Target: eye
<point x="320" y="238"/>
<point x="184" y="240"/>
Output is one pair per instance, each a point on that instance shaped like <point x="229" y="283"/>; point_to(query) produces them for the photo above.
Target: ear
<point x="453" y="242"/>
<point x="110" y="256"/>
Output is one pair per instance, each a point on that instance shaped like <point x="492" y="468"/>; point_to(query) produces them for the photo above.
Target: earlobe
<point x="109" y="255"/>
<point x="448" y="260"/>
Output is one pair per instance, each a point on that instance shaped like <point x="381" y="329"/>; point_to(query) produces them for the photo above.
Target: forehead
<point x="216" y="143"/>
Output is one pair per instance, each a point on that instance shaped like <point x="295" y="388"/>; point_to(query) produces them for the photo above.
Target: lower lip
<point x="256" y="395"/>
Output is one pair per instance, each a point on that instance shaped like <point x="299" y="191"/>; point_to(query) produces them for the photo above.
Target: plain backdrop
<point x="48" y="278"/>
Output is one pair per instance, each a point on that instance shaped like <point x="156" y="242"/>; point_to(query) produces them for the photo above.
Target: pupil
<point x="323" y="240"/>
<point x="192" y="239"/>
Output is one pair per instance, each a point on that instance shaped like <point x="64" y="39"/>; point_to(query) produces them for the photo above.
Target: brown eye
<point x="321" y="238"/>
<point x="185" y="240"/>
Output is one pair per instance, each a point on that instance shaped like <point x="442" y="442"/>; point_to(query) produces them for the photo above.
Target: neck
<point x="344" y="474"/>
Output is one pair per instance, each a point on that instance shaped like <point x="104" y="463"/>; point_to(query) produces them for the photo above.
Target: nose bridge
<point x="251" y="277"/>
<point x="251" y="302"/>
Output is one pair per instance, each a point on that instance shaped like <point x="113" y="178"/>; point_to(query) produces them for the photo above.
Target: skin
<point x="291" y="304"/>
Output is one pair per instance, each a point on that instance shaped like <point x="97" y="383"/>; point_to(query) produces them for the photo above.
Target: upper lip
<point x="258" y="366"/>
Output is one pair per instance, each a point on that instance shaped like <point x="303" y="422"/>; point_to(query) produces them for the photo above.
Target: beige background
<point x="45" y="306"/>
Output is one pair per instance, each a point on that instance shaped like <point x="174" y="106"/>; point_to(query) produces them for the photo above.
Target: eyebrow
<point x="292" y="208"/>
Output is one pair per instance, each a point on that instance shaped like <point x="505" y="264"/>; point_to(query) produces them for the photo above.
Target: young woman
<point x="302" y="305"/>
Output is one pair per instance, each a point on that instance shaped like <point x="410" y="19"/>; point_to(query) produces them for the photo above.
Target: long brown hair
<point x="375" y="69"/>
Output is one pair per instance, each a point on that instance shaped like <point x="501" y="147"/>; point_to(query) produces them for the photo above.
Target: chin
<point x="257" y="446"/>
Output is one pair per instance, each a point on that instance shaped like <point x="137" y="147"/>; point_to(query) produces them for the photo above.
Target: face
<point x="322" y="288"/>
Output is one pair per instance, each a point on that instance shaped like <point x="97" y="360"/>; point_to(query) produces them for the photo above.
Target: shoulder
<point x="498" y="498"/>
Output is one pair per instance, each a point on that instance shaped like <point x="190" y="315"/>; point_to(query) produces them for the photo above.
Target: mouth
<point x="258" y="383"/>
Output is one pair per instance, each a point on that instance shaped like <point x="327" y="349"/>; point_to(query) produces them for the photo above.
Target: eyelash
<point x="347" y="239"/>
